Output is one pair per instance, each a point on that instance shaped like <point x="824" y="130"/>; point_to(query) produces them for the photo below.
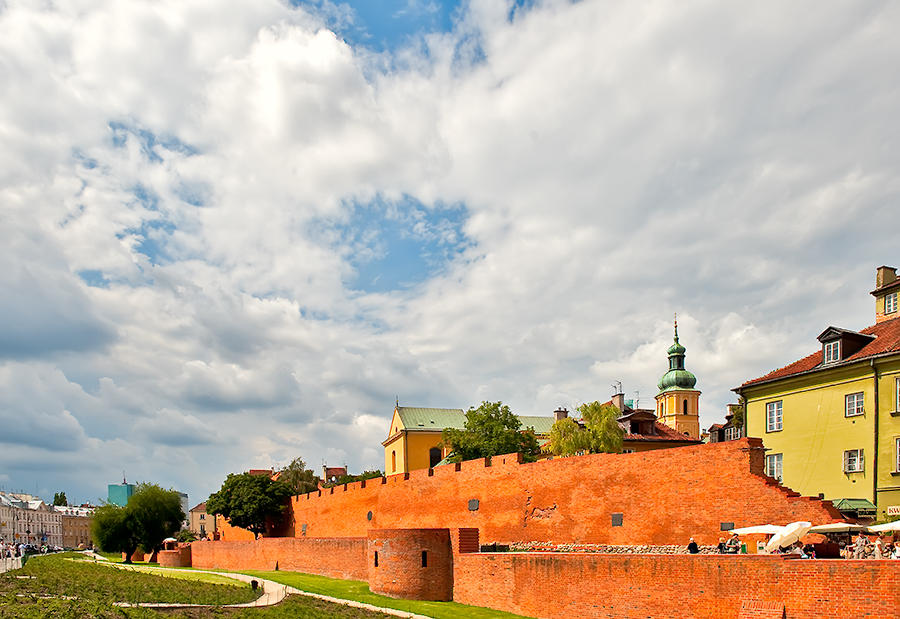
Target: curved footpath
<point x="272" y="592"/>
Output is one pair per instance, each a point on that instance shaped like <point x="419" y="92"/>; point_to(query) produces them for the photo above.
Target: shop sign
<point x="893" y="510"/>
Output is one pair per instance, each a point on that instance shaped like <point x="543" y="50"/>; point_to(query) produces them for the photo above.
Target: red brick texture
<point x="338" y="558"/>
<point x="414" y="564"/>
<point x="180" y="557"/>
<point x="676" y="586"/>
<point x="761" y="610"/>
<point x="664" y="496"/>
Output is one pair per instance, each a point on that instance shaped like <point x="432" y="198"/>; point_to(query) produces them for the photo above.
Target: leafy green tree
<point x="568" y="438"/>
<point x="249" y="501"/>
<point x="186" y="535"/>
<point x="737" y="411"/>
<point x="156" y="514"/>
<point x="601" y="432"/>
<point x="347" y="479"/>
<point x="151" y="515"/>
<point x="60" y="499"/>
<point x="299" y="478"/>
<point x="112" y="531"/>
<point x="490" y="430"/>
<point x="600" y="421"/>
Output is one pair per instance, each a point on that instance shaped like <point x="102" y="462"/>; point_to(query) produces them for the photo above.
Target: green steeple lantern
<point x="677" y="377"/>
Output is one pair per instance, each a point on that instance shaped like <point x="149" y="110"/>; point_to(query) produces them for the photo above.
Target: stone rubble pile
<point x="606" y="548"/>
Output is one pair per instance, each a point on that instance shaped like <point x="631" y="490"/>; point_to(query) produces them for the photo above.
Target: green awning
<point x="860" y="506"/>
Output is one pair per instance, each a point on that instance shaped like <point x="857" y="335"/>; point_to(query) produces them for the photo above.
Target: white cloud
<point x="616" y="163"/>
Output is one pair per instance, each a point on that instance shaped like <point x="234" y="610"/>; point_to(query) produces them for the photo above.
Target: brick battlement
<point x="660" y="497"/>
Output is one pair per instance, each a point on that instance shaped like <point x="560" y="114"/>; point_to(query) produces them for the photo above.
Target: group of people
<point x="864" y="548"/>
<point x="11" y="550"/>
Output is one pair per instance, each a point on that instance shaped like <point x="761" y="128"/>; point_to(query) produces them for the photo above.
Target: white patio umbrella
<point x="838" y="527"/>
<point x="169" y="539"/>
<point x="887" y="526"/>
<point x="763" y="529"/>
<point x="789" y="534"/>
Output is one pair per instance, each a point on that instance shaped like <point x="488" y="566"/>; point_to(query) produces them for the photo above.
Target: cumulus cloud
<point x="205" y="215"/>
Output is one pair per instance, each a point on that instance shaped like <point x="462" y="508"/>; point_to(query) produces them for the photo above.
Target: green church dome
<point x="677" y="377"/>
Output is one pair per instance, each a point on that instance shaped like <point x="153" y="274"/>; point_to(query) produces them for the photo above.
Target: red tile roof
<point x="200" y="507"/>
<point x="663" y="433"/>
<point x="887" y="340"/>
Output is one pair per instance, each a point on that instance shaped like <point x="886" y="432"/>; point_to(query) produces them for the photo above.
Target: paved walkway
<point x="272" y="593"/>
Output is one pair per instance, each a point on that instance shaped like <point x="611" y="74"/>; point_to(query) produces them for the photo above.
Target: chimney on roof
<point x="560" y="413"/>
<point x="884" y="276"/>
<point x="885" y="293"/>
<point x="618" y="399"/>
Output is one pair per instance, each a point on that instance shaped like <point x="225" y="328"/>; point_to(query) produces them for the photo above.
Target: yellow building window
<point x="773" y="465"/>
<point x="853" y="461"/>
<point x="773" y="417"/>
<point x="393" y="461"/>
<point x="890" y="303"/>
<point x="853" y="404"/>
<point x="897" y="455"/>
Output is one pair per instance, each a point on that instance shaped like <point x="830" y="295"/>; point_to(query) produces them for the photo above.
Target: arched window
<point x="393" y="461"/>
<point x="684" y="407"/>
<point x="434" y="456"/>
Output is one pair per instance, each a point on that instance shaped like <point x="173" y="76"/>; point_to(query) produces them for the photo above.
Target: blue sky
<point x="240" y="248"/>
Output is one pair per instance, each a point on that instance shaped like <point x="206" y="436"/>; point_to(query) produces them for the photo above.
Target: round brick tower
<point x="415" y="564"/>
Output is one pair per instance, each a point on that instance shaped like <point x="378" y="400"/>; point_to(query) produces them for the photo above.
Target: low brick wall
<point x="338" y="558"/>
<point x="595" y="585"/>
<point x="180" y="557"/>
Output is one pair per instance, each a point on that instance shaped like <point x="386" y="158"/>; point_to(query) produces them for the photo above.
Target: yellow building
<point x="414" y="437"/>
<point x="831" y="421"/>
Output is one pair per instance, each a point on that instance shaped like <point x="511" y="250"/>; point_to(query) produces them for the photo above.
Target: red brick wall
<point x="338" y="558"/>
<point x="400" y="572"/>
<point x="675" y="585"/>
<point x="665" y="496"/>
<point x="180" y="557"/>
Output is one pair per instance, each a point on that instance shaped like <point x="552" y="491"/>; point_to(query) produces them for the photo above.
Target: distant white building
<point x="27" y="519"/>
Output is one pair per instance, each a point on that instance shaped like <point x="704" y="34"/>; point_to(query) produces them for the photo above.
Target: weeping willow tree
<point x="600" y="434"/>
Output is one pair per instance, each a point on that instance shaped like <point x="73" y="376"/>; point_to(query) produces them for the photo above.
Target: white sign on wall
<point x="893" y="510"/>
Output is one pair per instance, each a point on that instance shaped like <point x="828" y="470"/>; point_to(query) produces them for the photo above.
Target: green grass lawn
<point x="359" y="591"/>
<point x="96" y="586"/>
<point x="57" y="575"/>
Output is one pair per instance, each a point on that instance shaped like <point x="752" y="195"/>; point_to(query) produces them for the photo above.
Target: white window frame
<point x="854" y="404"/>
<point x="897" y="455"/>
<point x="832" y="351"/>
<point x="897" y="395"/>
<point x="774" y="416"/>
<point x="890" y="307"/>
<point x="854" y="461"/>
<point x="732" y="433"/>
<point x="775" y="466"/>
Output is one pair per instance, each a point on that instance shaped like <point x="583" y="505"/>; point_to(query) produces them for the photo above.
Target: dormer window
<point x="832" y="351"/>
<point x="890" y="303"/>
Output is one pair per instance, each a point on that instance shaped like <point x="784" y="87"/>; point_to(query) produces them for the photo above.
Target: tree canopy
<point x="490" y="430"/>
<point x="346" y="479"/>
<point x="248" y="501"/>
<point x="151" y="515"/>
<point x="298" y="478"/>
<point x="601" y="432"/>
<point x="60" y="499"/>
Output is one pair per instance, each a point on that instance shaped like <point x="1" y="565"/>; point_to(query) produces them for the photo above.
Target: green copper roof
<point x="437" y="419"/>
<point x="853" y="504"/>
<point x="677" y="377"/>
